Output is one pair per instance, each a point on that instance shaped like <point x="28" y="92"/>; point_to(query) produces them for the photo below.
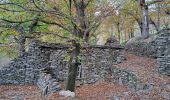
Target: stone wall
<point x="40" y="56"/>
<point x="157" y="47"/>
<point x="14" y="72"/>
<point x="142" y="47"/>
<point x="163" y="53"/>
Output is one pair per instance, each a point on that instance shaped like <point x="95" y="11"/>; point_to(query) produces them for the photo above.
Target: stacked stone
<point x="59" y="64"/>
<point x="141" y="48"/>
<point x="48" y="84"/>
<point x="96" y="63"/>
<point x="163" y="52"/>
<point x="14" y="72"/>
<point x="38" y="58"/>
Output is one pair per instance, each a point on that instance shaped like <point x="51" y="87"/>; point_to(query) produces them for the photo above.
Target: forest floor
<point x="143" y="67"/>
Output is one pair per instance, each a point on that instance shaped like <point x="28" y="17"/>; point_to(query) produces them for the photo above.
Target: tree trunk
<point x="118" y="30"/>
<point x="81" y="20"/>
<point x="131" y="34"/>
<point x="140" y="24"/>
<point x="21" y="41"/>
<point x="144" y="19"/>
<point x="145" y="22"/>
<point x="73" y="66"/>
<point x="158" y="17"/>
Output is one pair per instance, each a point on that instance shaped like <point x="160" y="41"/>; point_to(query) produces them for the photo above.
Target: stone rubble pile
<point x="48" y="84"/>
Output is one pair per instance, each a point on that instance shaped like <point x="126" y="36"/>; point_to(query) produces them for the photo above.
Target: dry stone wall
<point x="43" y="56"/>
<point x="163" y="53"/>
<point x="158" y="47"/>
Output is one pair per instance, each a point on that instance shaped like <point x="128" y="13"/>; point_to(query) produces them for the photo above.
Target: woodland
<point x="134" y="32"/>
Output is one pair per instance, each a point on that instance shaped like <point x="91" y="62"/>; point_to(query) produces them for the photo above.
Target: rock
<point x="16" y="98"/>
<point x="112" y="41"/>
<point x="67" y="93"/>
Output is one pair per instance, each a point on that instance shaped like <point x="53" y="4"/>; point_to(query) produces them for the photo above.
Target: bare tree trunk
<point x="145" y="22"/>
<point x="131" y="34"/>
<point x="81" y="20"/>
<point x="118" y="30"/>
<point x="81" y="31"/>
<point x="158" y="17"/>
<point x="21" y="48"/>
<point x="73" y="66"/>
<point x="144" y="19"/>
<point x="21" y="41"/>
<point x="140" y="24"/>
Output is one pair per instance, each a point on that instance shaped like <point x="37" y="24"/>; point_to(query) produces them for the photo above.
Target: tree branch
<point x="59" y="25"/>
<point x="154" y="2"/>
<point x="45" y="33"/>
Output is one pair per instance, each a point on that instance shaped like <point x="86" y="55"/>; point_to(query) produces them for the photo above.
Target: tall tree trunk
<point x="81" y="31"/>
<point x="145" y="22"/>
<point x="73" y="66"/>
<point x="81" y="20"/>
<point x="140" y="24"/>
<point x="158" y="17"/>
<point x="21" y="41"/>
<point x="131" y="34"/>
<point x="144" y="19"/>
<point x="118" y="30"/>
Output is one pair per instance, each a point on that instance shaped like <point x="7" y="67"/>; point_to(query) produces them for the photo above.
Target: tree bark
<point x="118" y="30"/>
<point x="73" y="66"/>
<point x="144" y="19"/>
<point x="158" y="17"/>
<point x="21" y="48"/>
<point x="81" y="20"/>
<point x="145" y="22"/>
<point x="21" y="41"/>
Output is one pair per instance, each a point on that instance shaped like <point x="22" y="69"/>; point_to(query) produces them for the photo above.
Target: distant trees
<point x="149" y="16"/>
<point x="144" y="23"/>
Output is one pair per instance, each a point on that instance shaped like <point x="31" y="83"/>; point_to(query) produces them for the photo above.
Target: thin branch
<point x="88" y="2"/>
<point x="36" y="5"/>
<point x="11" y="21"/>
<point x="154" y="2"/>
<point x="42" y="33"/>
<point x="58" y="24"/>
<point x="12" y="4"/>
